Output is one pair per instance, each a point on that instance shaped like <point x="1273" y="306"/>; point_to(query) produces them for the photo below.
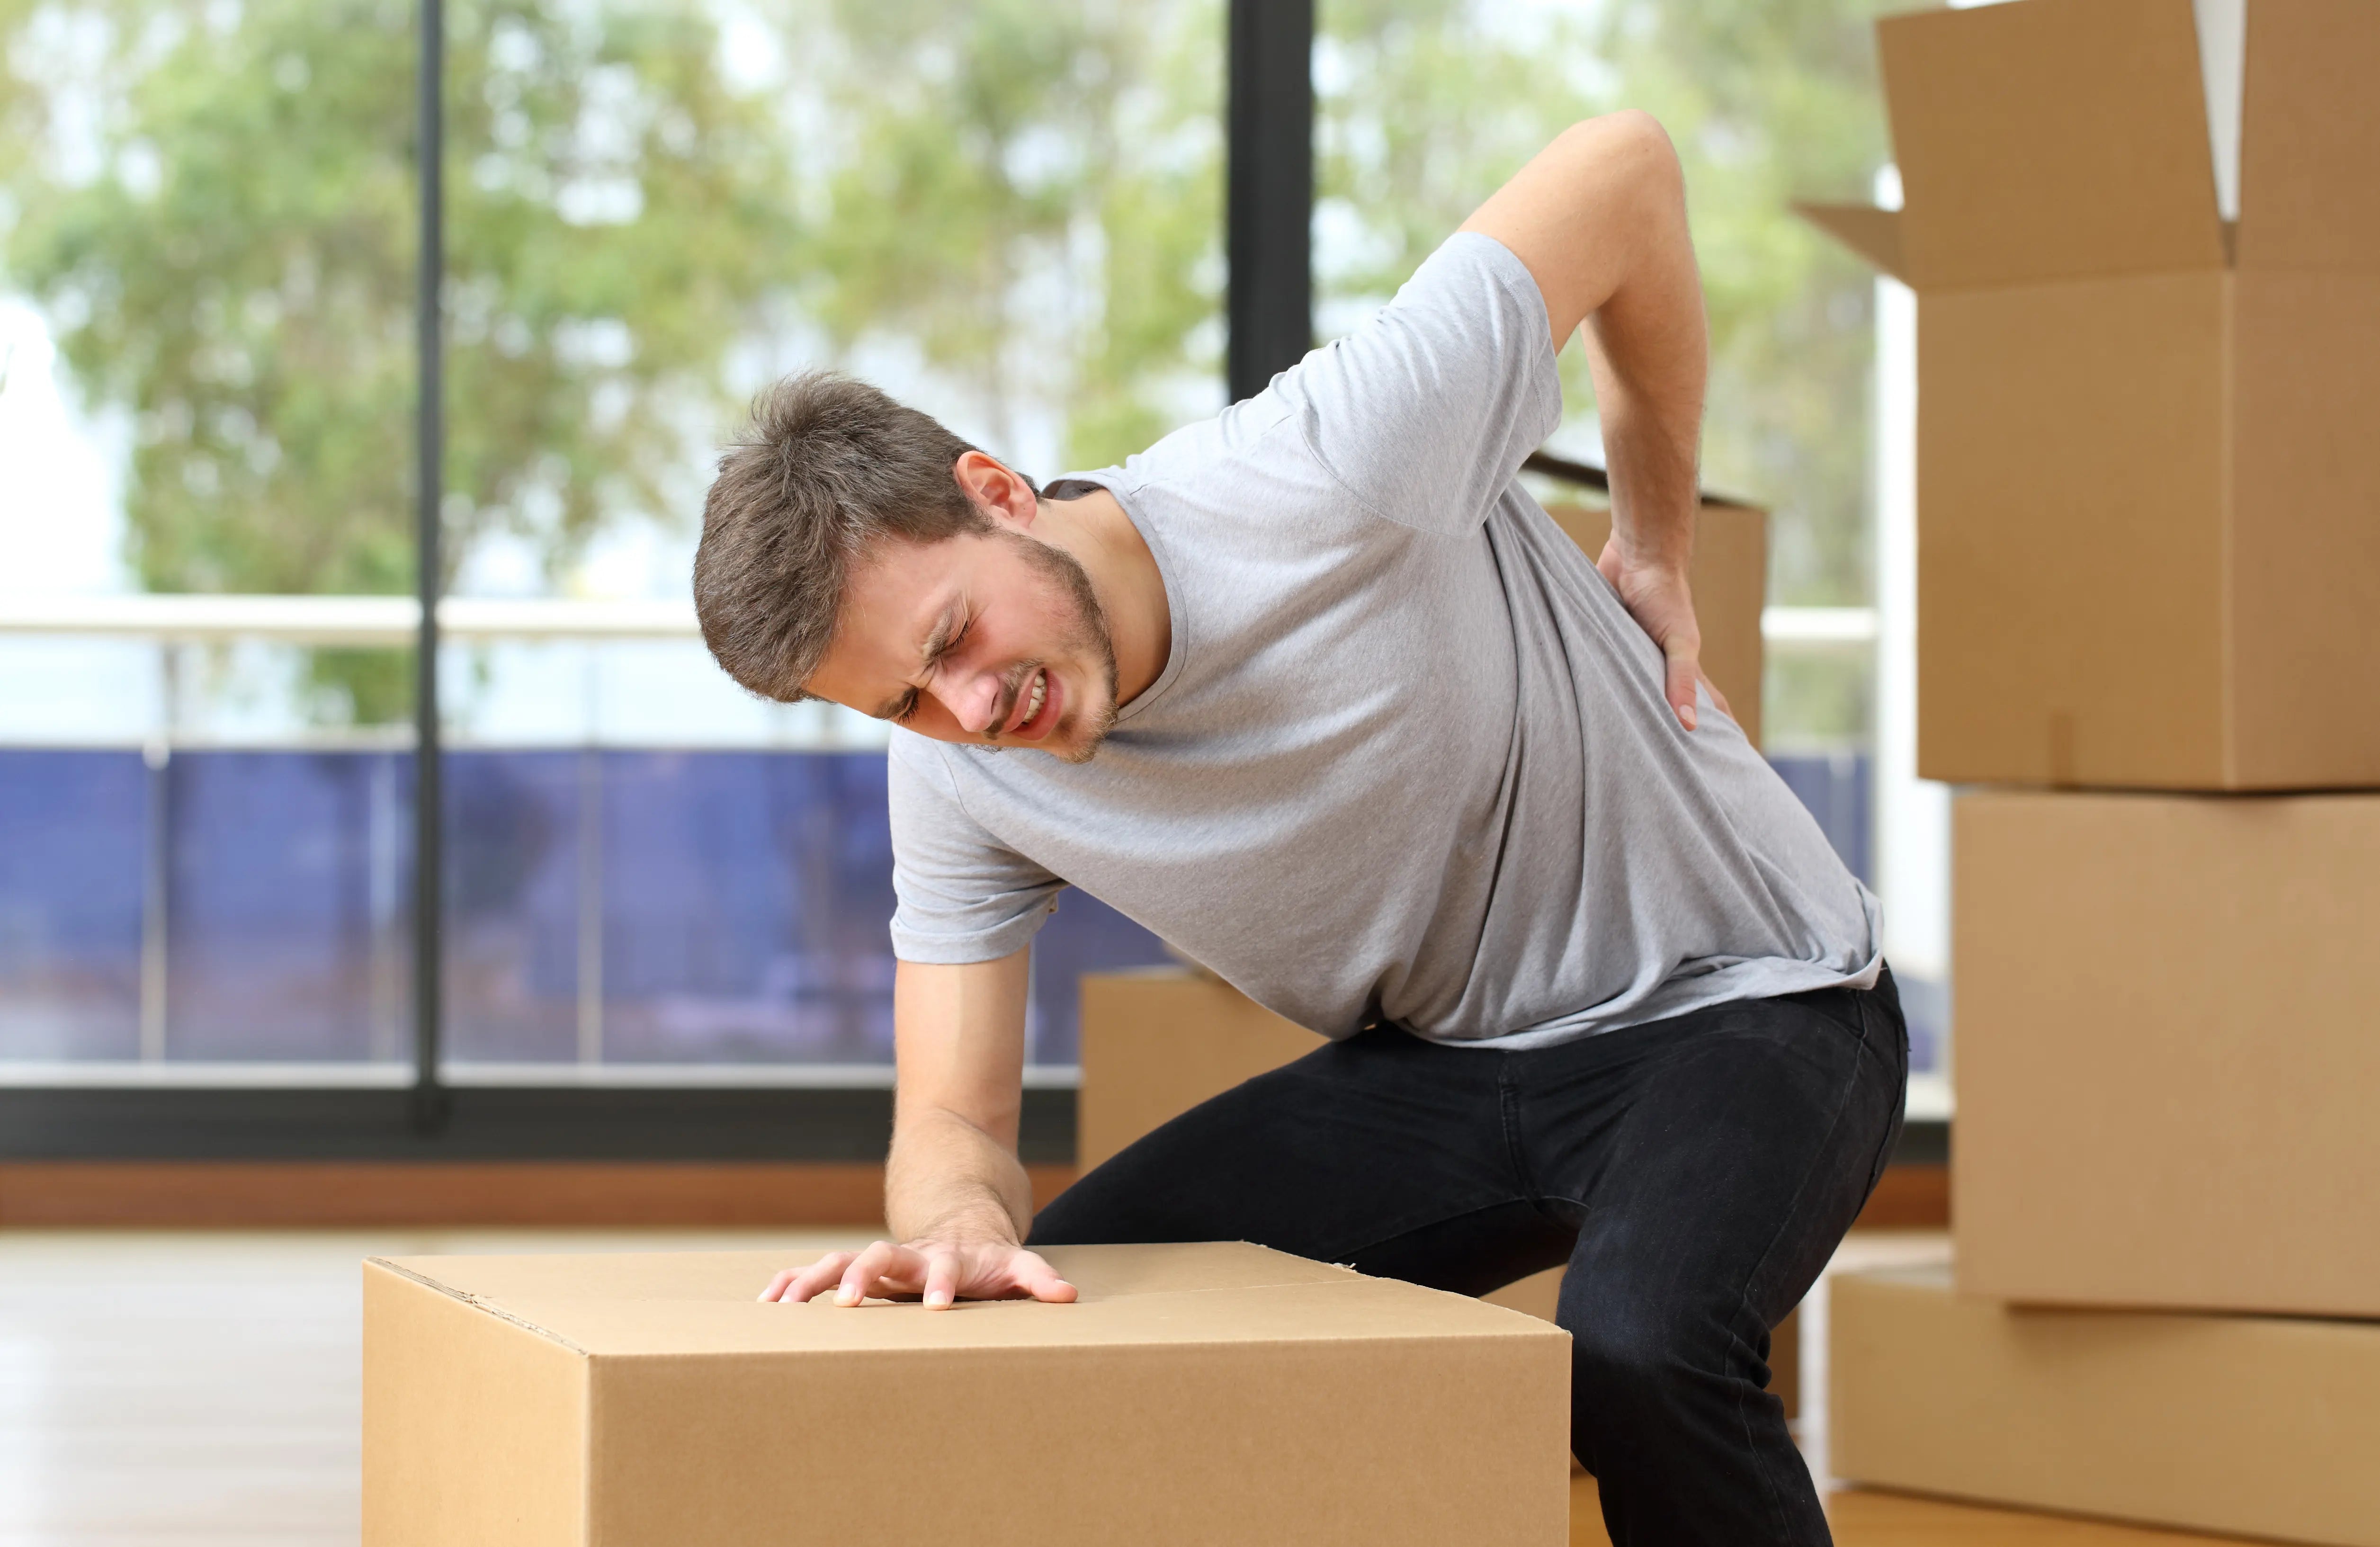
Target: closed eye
<point x="908" y="705"/>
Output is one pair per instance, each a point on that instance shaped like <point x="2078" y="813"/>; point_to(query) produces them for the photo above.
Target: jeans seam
<point x="1508" y="1116"/>
<point x="1408" y="1227"/>
<point x="1744" y="1299"/>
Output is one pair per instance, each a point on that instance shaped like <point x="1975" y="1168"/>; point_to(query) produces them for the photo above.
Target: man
<point x="1316" y="691"/>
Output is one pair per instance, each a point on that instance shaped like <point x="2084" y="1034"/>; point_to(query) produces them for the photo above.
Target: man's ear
<point x="996" y="490"/>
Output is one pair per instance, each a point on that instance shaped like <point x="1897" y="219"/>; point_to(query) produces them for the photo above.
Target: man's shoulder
<point x="1246" y="481"/>
<point x="1209" y="451"/>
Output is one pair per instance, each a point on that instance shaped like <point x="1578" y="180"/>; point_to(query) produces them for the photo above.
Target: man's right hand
<point x="938" y="1270"/>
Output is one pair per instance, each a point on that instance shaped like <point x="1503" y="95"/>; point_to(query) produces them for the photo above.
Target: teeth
<point x="1040" y="690"/>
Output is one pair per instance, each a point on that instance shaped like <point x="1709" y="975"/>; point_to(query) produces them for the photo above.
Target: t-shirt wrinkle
<point x="1436" y="783"/>
<point x="1305" y="437"/>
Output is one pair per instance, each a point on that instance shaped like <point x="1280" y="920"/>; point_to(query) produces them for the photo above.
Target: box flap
<point x="1872" y="233"/>
<point x="2310" y="148"/>
<point x="704" y="1303"/>
<point x="2050" y="140"/>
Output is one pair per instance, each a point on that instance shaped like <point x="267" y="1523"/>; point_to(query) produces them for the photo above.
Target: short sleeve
<point x="1426" y="411"/>
<point x="960" y="895"/>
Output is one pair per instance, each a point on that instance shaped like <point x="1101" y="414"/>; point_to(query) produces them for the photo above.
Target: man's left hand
<point x="1659" y="600"/>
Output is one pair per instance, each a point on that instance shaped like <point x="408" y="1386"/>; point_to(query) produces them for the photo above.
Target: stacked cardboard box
<point x="2149" y="548"/>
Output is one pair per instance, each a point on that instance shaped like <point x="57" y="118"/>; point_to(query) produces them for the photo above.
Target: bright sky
<point x="60" y="527"/>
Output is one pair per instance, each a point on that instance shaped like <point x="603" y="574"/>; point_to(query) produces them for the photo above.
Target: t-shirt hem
<point x="968" y="950"/>
<point x="1758" y="980"/>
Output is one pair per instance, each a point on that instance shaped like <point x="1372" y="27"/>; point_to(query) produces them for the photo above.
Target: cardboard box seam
<point x="1064" y="1351"/>
<point x="476" y="1303"/>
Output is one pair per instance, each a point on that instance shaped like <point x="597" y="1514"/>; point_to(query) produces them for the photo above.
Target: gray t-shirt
<point x="1409" y="758"/>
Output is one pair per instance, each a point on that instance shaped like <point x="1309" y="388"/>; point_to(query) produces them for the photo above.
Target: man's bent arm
<point x="1600" y="220"/>
<point x="955" y="1194"/>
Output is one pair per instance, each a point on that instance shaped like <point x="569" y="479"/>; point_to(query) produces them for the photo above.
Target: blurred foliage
<point x="1028" y="194"/>
<point x="1426" y="105"/>
<point x="653" y="205"/>
<point x="224" y="236"/>
<point x="1818" y="697"/>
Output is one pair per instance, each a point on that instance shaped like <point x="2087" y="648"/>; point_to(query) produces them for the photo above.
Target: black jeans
<point x="1695" y="1175"/>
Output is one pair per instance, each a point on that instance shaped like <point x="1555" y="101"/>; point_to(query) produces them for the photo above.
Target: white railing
<point x="342" y="620"/>
<point x="392" y="620"/>
<point x="388" y="1074"/>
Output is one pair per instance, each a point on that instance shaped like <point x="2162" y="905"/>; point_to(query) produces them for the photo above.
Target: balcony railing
<point x="183" y="902"/>
<point x="391" y="621"/>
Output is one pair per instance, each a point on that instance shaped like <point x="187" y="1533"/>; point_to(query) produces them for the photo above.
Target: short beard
<point x="1091" y="633"/>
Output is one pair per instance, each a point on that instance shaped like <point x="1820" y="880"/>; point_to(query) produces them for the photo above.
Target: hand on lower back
<point x="938" y="1272"/>
<point x="1658" y="597"/>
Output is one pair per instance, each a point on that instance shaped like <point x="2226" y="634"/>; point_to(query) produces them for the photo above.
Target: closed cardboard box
<point x="1730" y="580"/>
<point x="2264" y="1427"/>
<point x="2169" y="1047"/>
<point x="1157" y="1041"/>
<point x="2148" y="481"/>
<point x="1195" y="1394"/>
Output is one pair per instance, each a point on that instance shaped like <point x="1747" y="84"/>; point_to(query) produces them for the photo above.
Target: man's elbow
<point x="1629" y="147"/>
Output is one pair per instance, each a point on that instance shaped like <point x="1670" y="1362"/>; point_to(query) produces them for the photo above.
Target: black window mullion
<point x="429" y="1104"/>
<point x="1268" y="193"/>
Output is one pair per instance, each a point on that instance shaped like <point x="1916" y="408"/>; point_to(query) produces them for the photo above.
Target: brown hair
<point x="826" y="468"/>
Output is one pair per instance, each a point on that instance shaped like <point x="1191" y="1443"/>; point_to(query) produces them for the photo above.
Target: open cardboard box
<point x="1728" y="576"/>
<point x="1193" y="1396"/>
<point x="2148" y="471"/>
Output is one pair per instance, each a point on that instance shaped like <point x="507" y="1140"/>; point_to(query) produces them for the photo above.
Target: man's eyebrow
<point x="936" y="643"/>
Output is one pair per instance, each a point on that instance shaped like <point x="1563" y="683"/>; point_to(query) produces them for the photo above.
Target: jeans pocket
<point x="1884" y="1028"/>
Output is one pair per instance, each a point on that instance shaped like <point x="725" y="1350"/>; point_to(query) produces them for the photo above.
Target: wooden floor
<point x="1863" y="1517"/>
<point x="200" y="1389"/>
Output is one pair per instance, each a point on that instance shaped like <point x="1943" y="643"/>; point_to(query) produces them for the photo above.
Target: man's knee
<point x="1630" y="1351"/>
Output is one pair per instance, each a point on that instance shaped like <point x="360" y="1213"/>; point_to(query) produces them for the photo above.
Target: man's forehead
<point x="900" y="586"/>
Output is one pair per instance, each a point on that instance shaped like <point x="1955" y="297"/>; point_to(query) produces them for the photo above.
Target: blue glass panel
<point x="73" y="829"/>
<point x="513" y="860"/>
<point x="286" y="920"/>
<point x="744" y="902"/>
<point x="1086" y="935"/>
<point x="1837" y="787"/>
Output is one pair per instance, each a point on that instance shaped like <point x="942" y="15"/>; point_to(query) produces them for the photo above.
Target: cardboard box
<point x="2263" y="1427"/>
<point x="2167" y="1064"/>
<point x="1156" y="1041"/>
<point x="2148" y="485"/>
<point x="1730" y="577"/>
<point x="1196" y="1395"/>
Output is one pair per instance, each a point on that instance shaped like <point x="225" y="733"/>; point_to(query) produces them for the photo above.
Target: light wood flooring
<point x="200" y="1389"/>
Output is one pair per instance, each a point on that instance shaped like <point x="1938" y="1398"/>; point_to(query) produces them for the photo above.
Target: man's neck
<point x="1124" y="577"/>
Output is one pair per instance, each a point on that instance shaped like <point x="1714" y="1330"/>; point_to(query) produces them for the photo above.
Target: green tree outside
<point x="1025" y="197"/>
<point x="239" y="271"/>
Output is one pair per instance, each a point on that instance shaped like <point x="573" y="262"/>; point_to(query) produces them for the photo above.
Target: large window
<point x="210" y="249"/>
<point x="1008" y="212"/>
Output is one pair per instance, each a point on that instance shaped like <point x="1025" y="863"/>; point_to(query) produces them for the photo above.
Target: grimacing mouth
<point x="1011" y="686"/>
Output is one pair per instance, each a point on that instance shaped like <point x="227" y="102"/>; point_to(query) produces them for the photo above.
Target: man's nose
<point x="973" y="701"/>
